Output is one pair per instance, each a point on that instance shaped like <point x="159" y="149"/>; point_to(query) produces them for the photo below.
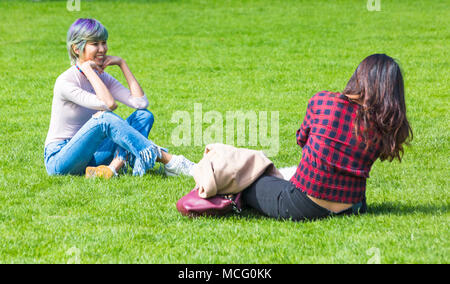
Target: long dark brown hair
<point x="378" y="83"/>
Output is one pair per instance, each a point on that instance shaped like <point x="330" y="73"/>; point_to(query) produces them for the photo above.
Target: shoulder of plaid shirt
<point x="333" y="206"/>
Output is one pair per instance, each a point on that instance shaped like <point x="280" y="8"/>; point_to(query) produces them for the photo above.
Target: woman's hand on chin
<point x="90" y="64"/>
<point x="112" y="60"/>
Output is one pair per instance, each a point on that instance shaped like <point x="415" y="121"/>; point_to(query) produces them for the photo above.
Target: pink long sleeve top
<point x="75" y="101"/>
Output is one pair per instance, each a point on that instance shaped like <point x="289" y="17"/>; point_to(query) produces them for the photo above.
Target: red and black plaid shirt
<point x="334" y="164"/>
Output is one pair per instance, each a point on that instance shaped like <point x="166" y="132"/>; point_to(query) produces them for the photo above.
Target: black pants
<point x="278" y="198"/>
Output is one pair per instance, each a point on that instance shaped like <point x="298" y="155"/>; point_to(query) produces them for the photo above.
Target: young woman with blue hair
<point x="85" y="135"/>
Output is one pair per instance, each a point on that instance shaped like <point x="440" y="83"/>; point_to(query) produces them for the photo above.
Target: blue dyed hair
<point x="82" y="31"/>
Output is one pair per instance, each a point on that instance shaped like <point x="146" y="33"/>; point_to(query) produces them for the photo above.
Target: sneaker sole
<point x="92" y="172"/>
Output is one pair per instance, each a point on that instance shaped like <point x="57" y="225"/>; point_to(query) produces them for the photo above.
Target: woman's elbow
<point x="112" y="106"/>
<point x="141" y="104"/>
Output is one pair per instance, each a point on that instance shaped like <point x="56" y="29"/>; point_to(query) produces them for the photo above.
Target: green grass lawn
<point x="226" y="55"/>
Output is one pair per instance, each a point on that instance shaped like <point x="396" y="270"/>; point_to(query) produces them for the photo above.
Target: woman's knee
<point x="145" y="116"/>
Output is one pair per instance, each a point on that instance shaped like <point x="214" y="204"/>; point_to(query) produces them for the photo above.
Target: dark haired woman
<point x="342" y="135"/>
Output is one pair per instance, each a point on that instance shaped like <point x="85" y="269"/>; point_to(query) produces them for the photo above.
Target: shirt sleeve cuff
<point x="139" y="103"/>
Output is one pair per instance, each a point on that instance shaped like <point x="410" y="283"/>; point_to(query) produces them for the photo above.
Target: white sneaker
<point x="179" y="165"/>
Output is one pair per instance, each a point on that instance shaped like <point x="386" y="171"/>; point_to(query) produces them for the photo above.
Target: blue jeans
<point x="103" y="138"/>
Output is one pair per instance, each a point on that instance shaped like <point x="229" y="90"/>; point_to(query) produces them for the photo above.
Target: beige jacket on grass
<point x="225" y="169"/>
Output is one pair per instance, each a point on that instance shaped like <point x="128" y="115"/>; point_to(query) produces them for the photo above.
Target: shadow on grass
<point x="386" y="208"/>
<point x="392" y="208"/>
